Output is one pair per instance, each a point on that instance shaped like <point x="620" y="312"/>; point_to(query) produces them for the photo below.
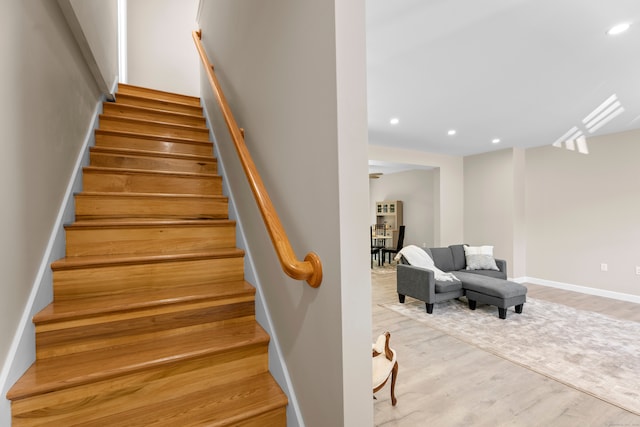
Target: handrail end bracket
<point x="316" y="277"/>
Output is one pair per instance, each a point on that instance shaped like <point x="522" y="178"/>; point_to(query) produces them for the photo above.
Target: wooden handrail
<point x="311" y="268"/>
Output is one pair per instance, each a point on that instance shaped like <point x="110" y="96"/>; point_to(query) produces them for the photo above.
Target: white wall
<point x="584" y="210"/>
<point x="415" y="188"/>
<point x="448" y="188"/>
<point x="294" y="75"/>
<point x="48" y="99"/>
<point x="355" y="278"/>
<point x="160" y="51"/>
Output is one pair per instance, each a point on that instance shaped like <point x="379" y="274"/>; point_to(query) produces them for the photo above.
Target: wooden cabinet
<point x="389" y="213"/>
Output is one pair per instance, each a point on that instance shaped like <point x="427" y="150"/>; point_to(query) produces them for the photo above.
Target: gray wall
<point x="584" y="210"/>
<point x="95" y="25"/>
<point x="294" y="74"/>
<point x="416" y="190"/>
<point x="494" y="205"/>
<point x="557" y="215"/>
<point x="160" y="51"/>
<point x="48" y="100"/>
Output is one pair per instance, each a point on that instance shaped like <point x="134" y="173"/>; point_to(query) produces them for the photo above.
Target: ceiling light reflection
<point x="603" y="114"/>
<point x="572" y="139"/>
<point x="564" y="137"/>
<point x="582" y="145"/>
<point x="617" y="29"/>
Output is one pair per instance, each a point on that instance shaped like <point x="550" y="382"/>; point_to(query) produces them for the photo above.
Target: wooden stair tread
<point x="127" y="171"/>
<point x="217" y="406"/>
<point x="139" y="109"/>
<point x="138" y="135"/>
<point x="138" y="112"/>
<point x="109" y="260"/>
<point x="57" y="373"/>
<point x="153" y="195"/>
<point x="145" y="153"/>
<point x="171" y="105"/>
<point x="130" y="223"/>
<point x="156" y="94"/>
<point x="156" y="123"/>
<point x="92" y="205"/>
<point x="81" y="307"/>
<point x="152" y="126"/>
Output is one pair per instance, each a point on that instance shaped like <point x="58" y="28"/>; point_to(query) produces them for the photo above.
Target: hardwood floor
<point x="619" y="309"/>
<point x="443" y="381"/>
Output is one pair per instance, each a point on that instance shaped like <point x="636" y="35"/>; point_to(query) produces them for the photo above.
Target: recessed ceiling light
<point x="451" y="132"/>
<point x="394" y="121"/>
<point x="617" y="29"/>
<point x="495" y="140"/>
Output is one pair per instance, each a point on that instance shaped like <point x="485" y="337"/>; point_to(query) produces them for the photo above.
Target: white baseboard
<point x="277" y="363"/>
<point x="111" y="96"/>
<point x="581" y="289"/>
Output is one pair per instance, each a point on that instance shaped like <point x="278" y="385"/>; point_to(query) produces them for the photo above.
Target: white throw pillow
<point x="480" y="258"/>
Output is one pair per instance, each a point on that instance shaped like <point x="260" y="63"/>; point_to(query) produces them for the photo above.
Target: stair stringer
<point x="277" y="364"/>
<point x="22" y="352"/>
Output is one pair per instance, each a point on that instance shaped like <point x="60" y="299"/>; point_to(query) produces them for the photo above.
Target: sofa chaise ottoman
<point x="483" y="281"/>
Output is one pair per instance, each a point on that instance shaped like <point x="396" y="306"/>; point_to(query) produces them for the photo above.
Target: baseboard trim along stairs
<point x="152" y="321"/>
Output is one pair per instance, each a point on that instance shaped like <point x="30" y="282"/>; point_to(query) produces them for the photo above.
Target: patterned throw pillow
<point x="480" y="258"/>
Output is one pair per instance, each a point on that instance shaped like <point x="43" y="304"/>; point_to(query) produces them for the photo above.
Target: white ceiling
<point x="524" y="71"/>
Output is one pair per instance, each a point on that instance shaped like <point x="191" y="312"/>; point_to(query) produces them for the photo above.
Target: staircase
<point x="152" y="322"/>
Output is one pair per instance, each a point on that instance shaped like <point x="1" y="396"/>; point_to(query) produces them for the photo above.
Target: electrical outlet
<point x="604" y="267"/>
<point x="638" y="270"/>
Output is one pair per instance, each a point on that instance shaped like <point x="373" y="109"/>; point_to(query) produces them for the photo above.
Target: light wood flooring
<point x="443" y="381"/>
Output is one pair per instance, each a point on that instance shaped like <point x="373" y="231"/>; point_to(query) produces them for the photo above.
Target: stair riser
<point x="169" y="131"/>
<point x="277" y="417"/>
<point x="159" y="105"/>
<point x="124" y="279"/>
<point x="99" y="206"/>
<point x="118" y="110"/>
<point x="220" y="408"/>
<point x="96" y="400"/>
<point x="158" y="95"/>
<point x="90" y="334"/>
<point x="153" y="163"/>
<point x="198" y="148"/>
<point x="148" y="240"/>
<point x="150" y="183"/>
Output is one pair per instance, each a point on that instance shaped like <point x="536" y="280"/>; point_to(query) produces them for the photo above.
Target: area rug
<point x="590" y="352"/>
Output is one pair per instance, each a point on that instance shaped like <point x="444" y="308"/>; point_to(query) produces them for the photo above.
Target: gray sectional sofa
<point x="479" y="286"/>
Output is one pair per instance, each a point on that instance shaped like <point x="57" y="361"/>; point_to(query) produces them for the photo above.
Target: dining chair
<point x="375" y="248"/>
<point x="398" y="248"/>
